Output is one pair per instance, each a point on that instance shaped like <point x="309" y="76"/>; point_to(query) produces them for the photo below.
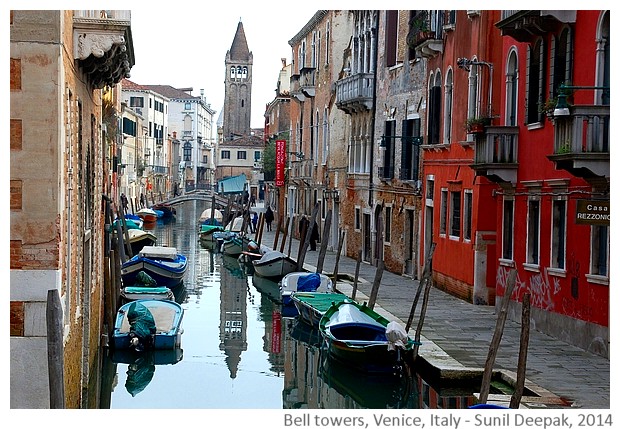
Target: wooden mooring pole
<point x="426" y="275"/>
<point x="515" y="400"/>
<point x="340" y="243"/>
<point x="428" y="283"/>
<point x="324" y="240"/>
<point x="485" y="387"/>
<point x="357" y="274"/>
<point x="55" y="353"/>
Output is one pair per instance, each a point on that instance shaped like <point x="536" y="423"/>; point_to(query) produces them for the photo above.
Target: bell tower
<point x="237" y="107"/>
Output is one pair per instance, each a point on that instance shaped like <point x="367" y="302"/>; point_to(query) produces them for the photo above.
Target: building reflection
<point x="233" y="312"/>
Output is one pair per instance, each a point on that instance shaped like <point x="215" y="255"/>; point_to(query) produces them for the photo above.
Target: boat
<point x="274" y="264"/>
<point x="148" y="324"/>
<point x="167" y="209"/>
<point x="206" y="235"/>
<point x="267" y="287"/>
<point x="138" y="238"/>
<point x="211" y="217"/>
<point x="236" y="244"/>
<point x="302" y="281"/>
<point x="164" y="264"/>
<point x="147" y="215"/>
<point x="311" y="306"/>
<point x="135" y="293"/>
<point x="128" y="223"/>
<point x="363" y="339"/>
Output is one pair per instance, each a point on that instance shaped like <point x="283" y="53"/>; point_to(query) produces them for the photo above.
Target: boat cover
<point x="158" y="252"/>
<point x="143" y="279"/>
<point x="309" y="282"/>
<point x="396" y="335"/>
<point x="141" y="321"/>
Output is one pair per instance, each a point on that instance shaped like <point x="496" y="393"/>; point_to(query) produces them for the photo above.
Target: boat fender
<point x="396" y="335"/>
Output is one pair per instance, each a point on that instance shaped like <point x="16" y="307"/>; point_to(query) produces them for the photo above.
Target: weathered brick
<point x="16" y="194"/>
<point x="16" y="74"/>
<point x="16" y="134"/>
<point x="17" y="318"/>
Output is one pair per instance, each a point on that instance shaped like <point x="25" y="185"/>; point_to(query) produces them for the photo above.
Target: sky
<point x="187" y="48"/>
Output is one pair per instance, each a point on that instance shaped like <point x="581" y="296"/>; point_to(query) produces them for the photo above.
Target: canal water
<point x="239" y="351"/>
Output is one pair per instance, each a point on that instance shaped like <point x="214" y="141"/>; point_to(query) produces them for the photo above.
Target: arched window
<point x="232" y="72"/>
<point x="187" y="151"/>
<point x="245" y="73"/>
<point x="512" y="67"/>
<point x="325" y="135"/>
<point x="447" y="112"/>
<point x="434" y="109"/>
<point x="239" y="72"/>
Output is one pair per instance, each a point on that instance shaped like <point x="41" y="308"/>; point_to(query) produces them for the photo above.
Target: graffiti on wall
<point x="545" y="292"/>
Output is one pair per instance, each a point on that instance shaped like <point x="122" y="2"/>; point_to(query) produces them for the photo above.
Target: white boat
<point x="274" y="264"/>
<point x="138" y="238"/>
<point x="214" y="214"/>
<point x="302" y="281"/>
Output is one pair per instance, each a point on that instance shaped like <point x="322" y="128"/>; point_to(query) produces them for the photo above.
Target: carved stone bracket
<point x="95" y="44"/>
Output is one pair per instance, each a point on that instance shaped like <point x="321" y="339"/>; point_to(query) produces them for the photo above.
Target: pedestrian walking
<point x="314" y="236"/>
<point x="304" y="223"/>
<point x="269" y="217"/>
<point x="124" y="202"/>
<point x="254" y="222"/>
<point x="253" y="201"/>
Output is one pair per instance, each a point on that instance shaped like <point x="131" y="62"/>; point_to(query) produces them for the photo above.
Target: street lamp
<point x="561" y="107"/>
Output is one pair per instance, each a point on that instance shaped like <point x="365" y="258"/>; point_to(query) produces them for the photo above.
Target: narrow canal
<point x="238" y="351"/>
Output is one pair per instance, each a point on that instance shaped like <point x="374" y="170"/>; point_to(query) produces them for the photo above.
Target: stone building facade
<point x="58" y="174"/>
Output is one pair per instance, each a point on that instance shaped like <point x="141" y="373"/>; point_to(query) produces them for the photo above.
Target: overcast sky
<point x="187" y="47"/>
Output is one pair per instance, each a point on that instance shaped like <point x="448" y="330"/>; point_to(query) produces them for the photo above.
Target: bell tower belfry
<point x="237" y="107"/>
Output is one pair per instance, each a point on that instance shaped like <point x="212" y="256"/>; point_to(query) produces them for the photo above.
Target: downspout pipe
<point x="374" y="110"/>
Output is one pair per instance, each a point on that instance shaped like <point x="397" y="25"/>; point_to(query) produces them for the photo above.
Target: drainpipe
<point x="374" y="110"/>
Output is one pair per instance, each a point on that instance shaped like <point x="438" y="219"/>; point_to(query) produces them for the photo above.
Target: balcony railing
<point x="426" y="32"/>
<point x="496" y="153"/>
<point x="581" y="141"/>
<point x="307" y="81"/>
<point x="160" y="170"/>
<point x="354" y="93"/>
<point x="301" y="169"/>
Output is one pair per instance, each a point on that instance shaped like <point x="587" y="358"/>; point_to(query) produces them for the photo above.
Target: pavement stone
<point x="456" y="333"/>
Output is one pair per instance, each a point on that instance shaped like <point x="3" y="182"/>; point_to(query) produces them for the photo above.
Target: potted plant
<point x="548" y="107"/>
<point x="476" y="125"/>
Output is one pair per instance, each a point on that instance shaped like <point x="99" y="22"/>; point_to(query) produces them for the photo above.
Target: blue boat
<point x="164" y="264"/>
<point x="148" y="324"/>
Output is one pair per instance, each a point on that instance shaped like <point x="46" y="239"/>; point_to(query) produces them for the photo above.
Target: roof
<point x="171" y="92"/>
<point x="239" y="50"/>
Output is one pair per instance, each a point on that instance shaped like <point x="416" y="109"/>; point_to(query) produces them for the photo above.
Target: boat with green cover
<point x="311" y="306"/>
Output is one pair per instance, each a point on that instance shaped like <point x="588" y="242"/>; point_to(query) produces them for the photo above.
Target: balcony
<point x="355" y="93"/>
<point x="581" y="142"/>
<point x="301" y="170"/>
<point x="426" y="33"/>
<point x="307" y="81"/>
<point x="103" y="46"/>
<point x="496" y="154"/>
<point x="524" y="25"/>
<point x="295" y="90"/>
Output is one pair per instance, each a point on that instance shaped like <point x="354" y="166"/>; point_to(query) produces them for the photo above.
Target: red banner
<point x="276" y="332"/>
<point x="280" y="161"/>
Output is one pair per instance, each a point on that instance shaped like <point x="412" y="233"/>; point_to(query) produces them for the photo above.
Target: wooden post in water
<point x="324" y="240"/>
<point x="290" y="241"/>
<point x="275" y="240"/>
<point x="258" y="234"/>
<point x="120" y="241"/>
<point x="375" y="285"/>
<point x="428" y="280"/>
<point x="357" y="273"/>
<point x="285" y="234"/>
<point x="340" y="243"/>
<point x="303" y="249"/>
<point x="426" y="274"/>
<point x="55" y="354"/>
<point x="497" y="337"/>
<point x="515" y="400"/>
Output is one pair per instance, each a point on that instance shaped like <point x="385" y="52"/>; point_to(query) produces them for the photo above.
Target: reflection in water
<point x="240" y="351"/>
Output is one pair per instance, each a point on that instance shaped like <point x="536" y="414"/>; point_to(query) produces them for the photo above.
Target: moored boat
<point x="148" y="324"/>
<point x="147" y="215"/>
<point x="274" y="264"/>
<point x="302" y="281"/>
<point x="138" y="238"/>
<point x="311" y="306"/>
<point x="164" y="264"/>
<point x="135" y="293"/>
<point x="168" y="211"/>
<point x="360" y="337"/>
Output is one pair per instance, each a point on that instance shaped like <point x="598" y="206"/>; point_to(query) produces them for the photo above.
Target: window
<point x="205" y="159"/>
<point x="508" y="229"/>
<point x="225" y="154"/>
<point x="387" y="146"/>
<point x="358" y="219"/>
<point x="511" y="89"/>
<point x="391" y="37"/>
<point x="447" y="110"/>
<point x="599" y="257"/>
<point x="233" y="72"/>
<point x="388" y="224"/>
<point x="434" y="110"/>
<point x="558" y="235"/>
<point x="188" y="106"/>
<point x="136" y="102"/>
<point x="241" y="154"/>
<point x="327" y="32"/>
<point x="410" y="151"/>
<point x="187" y="151"/>
<point x="533" y="232"/>
<point x="535" y="82"/>
<point x="455" y="214"/>
<point x="443" y="215"/>
<point x="561" y="64"/>
<point x="325" y="137"/>
<point x="257" y="155"/>
<point x="467" y="213"/>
